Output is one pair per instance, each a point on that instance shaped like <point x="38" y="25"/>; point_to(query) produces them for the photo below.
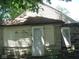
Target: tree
<point x="16" y="7"/>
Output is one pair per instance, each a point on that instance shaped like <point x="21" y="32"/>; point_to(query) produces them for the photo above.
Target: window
<point x="66" y="36"/>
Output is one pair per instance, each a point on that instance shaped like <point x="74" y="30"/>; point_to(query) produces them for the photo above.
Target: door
<point x="38" y="41"/>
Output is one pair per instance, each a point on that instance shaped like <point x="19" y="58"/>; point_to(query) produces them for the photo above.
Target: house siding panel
<point x="9" y="33"/>
<point x="49" y="34"/>
<point x="15" y="37"/>
<point x="57" y="37"/>
<point x="1" y="39"/>
<point x="16" y="34"/>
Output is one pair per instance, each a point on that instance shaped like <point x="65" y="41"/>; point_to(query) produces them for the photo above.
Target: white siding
<point x="49" y="34"/>
<point x="17" y="36"/>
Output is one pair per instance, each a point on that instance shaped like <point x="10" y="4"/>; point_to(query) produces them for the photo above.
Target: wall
<point x="13" y="36"/>
<point x="58" y="37"/>
<point x="74" y="35"/>
<point x="21" y="36"/>
<point x="53" y="39"/>
<point x="1" y="39"/>
<point x="49" y="35"/>
<point x="57" y="40"/>
<point x="11" y="32"/>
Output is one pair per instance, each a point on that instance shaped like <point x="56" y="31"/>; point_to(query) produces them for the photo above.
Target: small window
<point x="66" y="36"/>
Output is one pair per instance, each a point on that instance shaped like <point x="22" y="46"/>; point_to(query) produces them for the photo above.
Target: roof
<point x="71" y="24"/>
<point x="42" y="20"/>
<point x="31" y="18"/>
<point x="33" y="21"/>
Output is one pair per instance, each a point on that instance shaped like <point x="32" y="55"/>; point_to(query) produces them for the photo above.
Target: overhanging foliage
<point x="16" y="7"/>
